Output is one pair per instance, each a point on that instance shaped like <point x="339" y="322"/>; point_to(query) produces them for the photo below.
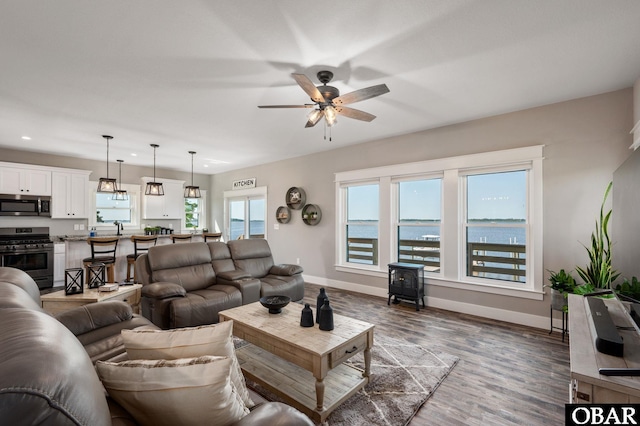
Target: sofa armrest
<point x="163" y="290"/>
<point x="274" y="413"/>
<point x="233" y="275"/>
<point x="285" y="269"/>
<point x="93" y="316"/>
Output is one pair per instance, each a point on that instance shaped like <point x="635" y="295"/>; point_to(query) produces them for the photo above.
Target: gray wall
<point x="585" y="141"/>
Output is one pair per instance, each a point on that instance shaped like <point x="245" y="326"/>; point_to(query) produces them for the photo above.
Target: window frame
<point x="451" y="249"/>
<point x="464" y="224"/>
<point x="395" y="219"/>
<point x="202" y="205"/>
<point x="245" y="194"/>
<point x="344" y="219"/>
<point x="134" y="198"/>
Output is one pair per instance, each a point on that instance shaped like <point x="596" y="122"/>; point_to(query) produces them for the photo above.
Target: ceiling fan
<point x="328" y="102"/>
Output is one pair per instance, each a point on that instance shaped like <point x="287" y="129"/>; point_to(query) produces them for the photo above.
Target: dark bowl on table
<point x="275" y="303"/>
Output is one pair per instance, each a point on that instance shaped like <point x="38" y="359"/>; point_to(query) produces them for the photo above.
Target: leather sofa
<point x="186" y="285"/>
<point x="47" y="373"/>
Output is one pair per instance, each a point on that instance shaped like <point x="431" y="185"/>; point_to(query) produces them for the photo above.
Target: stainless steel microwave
<point x="24" y="205"/>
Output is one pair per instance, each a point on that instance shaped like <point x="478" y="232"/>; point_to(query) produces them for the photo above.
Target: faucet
<point x="119" y="227"/>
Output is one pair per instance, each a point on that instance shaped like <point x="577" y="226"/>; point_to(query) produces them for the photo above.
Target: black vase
<point x="306" y="320"/>
<point x="326" y="317"/>
<point x="319" y="302"/>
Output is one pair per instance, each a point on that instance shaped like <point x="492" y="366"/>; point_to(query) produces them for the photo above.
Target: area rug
<point x="405" y="375"/>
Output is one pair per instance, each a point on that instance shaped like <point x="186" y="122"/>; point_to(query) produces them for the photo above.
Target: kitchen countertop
<point x="63" y="238"/>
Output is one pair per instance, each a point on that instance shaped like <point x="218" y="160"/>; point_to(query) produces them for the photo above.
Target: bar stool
<point x="213" y="236"/>
<point x="181" y="238"/>
<point x="141" y="244"/>
<point x="103" y="250"/>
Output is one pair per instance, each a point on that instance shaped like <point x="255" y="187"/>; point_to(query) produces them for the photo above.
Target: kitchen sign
<point x="244" y="183"/>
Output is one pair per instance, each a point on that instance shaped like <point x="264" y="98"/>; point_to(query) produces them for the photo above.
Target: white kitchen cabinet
<point x="168" y="206"/>
<point x="25" y="181"/>
<point x="58" y="264"/>
<point x="70" y="195"/>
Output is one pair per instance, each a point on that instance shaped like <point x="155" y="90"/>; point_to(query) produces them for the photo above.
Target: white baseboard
<point x="513" y="317"/>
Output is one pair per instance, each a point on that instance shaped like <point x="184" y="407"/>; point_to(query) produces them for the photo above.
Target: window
<point x="474" y="221"/>
<point x="496" y="226"/>
<point x="195" y="212"/>
<point x="106" y="210"/>
<point x="418" y="225"/>
<point x="361" y="227"/>
<point x="245" y="213"/>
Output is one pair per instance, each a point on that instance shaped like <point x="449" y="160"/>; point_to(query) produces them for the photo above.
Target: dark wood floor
<point x="507" y="374"/>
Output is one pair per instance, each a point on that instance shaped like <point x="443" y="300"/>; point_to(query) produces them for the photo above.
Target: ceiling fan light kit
<point x="105" y="184"/>
<point x="328" y="101"/>
<point x="154" y="188"/>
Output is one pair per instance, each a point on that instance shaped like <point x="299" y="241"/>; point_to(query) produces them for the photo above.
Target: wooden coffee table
<point x="304" y="366"/>
<point x="58" y="301"/>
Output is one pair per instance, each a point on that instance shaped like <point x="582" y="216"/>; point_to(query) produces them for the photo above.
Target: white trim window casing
<point x="495" y="228"/>
<point x="200" y="212"/>
<point x="417" y="221"/>
<point x="453" y="260"/>
<point x="133" y="192"/>
<point x="360" y="224"/>
<point x="247" y="197"/>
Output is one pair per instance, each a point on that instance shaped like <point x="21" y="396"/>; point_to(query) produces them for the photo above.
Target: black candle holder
<point x="96" y="275"/>
<point x="73" y="281"/>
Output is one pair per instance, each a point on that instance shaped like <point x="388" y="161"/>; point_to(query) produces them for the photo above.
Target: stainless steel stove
<point x="29" y="249"/>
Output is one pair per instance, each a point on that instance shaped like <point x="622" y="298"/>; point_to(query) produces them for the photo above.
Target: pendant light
<point x="106" y="184"/>
<point x="192" y="191"/>
<point x="121" y="194"/>
<point x="154" y="188"/>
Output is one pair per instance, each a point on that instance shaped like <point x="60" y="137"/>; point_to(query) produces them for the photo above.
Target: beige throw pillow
<point x="188" y="391"/>
<point x="215" y="339"/>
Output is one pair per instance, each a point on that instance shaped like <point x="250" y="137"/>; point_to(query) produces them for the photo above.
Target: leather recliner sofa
<point x="46" y="371"/>
<point x="186" y="285"/>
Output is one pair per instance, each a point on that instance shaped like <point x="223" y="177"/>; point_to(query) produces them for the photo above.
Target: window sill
<point x="484" y="288"/>
<point x="448" y="283"/>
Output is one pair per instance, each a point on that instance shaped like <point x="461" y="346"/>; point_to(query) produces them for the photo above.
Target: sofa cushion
<point x="276" y="285"/>
<point x="47" y="377"/>
<point x="186" y="264"/>
<point x="21" y="279"/>
<point x="252" y="255"/>
<point x="201" y="307"/>
<point x="221" y="257"/>
<point x="188" y="343"/>
<point x="12" y="296"/>
<point x="173" y="392"/>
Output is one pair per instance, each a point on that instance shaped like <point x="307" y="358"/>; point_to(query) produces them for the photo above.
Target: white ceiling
<point x="188" y="75"/>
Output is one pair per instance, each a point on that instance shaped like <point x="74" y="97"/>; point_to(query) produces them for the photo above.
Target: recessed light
<point x="206" y="165"/>
<point x="133" y="154"/>
<point x="26" y="138"/>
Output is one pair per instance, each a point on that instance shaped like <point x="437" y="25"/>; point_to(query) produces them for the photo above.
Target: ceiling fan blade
<point x="354" y="113"/>
<point x="308" y="86"/>
<point x="361" y="94"/>
<point x="287" y="106"/>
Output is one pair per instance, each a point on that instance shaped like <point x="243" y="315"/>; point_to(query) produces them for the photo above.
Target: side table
<point x="57" y="302"/>
<point x="565" y="321"/>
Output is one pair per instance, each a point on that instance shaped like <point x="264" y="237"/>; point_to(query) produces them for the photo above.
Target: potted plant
<point x="561" y="283"/>
<point x="599" y="272"/>
<point x="630" y="289"/>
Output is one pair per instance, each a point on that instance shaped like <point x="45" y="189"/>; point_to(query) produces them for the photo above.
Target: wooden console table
<point x="587" y="385"/>
<point x="57" y="302"/>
